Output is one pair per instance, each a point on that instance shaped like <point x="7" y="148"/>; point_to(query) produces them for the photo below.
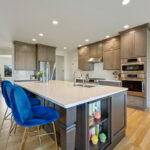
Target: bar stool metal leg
<point x="38" y="128"/>
<point x="24" y="137"/>
<point x="15" y="128"/>
<point x="55" y="135"/>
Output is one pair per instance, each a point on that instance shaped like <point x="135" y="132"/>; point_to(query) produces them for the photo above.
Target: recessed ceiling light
<point x="55" y="22"/>
<point x="86" y="40"/>
<point x="126" y="26"/>
<point x="79" y="45"/>
<point x="33" y="39"/>
<point x="41" y="34"/>
<point x="107" y="36"/>
<point x="65" y="47"/>
<point x="125" y="2"/>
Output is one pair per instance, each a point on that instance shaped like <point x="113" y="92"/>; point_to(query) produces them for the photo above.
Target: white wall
<point x="5" y="60"/>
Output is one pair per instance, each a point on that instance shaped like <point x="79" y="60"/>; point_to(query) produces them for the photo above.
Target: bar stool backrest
<point x="4" y="92"/>
<point x="21" y="107"/>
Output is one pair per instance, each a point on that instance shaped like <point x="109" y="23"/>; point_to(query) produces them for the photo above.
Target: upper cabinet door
<point x="127" y="45"/>
<point x="51" y="54"/>
<point x="112" y="44"/>
<point x="107" y="45"/>
<point x="83" y="57"/>
<point x="108" y="60"/>
<point x="93" y="49"/>
<point x="116" y="59"/>
<point x="41" y="53"/>
<point x="25" y="56"/>
<point x="96" y="50"/>
<point x="100" y="50"/>
<point x="115" y="43"/>
<point x="140" y="37"/>
<point x="45" y="53"/>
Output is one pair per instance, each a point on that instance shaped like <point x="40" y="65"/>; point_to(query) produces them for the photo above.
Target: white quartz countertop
<point x="64" y="94"/>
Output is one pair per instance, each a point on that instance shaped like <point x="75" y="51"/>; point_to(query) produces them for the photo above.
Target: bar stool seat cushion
<point x="41" y="115"/>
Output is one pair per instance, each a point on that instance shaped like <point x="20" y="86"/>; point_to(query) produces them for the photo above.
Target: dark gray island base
<point x="74" y="125"/>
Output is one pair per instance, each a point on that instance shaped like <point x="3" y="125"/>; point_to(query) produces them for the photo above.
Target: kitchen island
<point x="77" y="107"/>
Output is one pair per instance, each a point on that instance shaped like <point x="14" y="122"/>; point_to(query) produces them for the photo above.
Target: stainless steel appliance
<point x="136" y="65"/>
<point x="48" y="69"/>
<point x="133" y="76"/>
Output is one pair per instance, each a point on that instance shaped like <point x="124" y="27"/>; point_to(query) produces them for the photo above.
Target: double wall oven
<point x="133" y="75"/>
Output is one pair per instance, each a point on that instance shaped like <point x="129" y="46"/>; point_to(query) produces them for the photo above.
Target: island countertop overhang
<point x="64" y="94"/>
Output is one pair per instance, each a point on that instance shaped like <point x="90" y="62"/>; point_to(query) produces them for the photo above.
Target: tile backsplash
<point x="22" y="75"/>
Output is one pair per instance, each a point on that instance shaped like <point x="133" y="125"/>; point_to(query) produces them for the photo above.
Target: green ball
<point x="103" y="137"/>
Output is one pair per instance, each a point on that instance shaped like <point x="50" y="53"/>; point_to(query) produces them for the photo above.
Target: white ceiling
<point x="22" y="20"/>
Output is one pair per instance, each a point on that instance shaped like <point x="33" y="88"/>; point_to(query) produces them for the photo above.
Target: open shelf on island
<point x="99" y="146"/>
<point x="97" y="122"/>
<point x="99" y="109"/>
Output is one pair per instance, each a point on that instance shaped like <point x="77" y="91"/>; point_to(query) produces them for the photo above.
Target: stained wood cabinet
<point x="133" y="43"/>
<point x="111" y="54"/>
<point x="83" y="57"/>
<point x="45" y="53"/>
<point x="108" y="60"/>
<point x="140" y="43"/>
<point x="25" y="56"/>
<point x="111" y="59"/>
<point x="96" y="50"/>
<point x="112" y="44"/>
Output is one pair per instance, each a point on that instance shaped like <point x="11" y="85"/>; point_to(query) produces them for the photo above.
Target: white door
<point x="59" y="67"/>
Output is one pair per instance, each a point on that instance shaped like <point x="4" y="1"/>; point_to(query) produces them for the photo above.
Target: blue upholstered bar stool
<point x="28" y="116"/>
<point x="4" y="93"/>
<point x="7" y="86"/>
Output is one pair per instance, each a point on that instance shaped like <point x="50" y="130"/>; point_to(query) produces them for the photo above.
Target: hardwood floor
<point x="137" y="134"/>
<point x="138" y="131"/>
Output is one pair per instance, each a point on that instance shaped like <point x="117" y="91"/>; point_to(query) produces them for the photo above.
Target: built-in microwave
<point x="136" y="65"/>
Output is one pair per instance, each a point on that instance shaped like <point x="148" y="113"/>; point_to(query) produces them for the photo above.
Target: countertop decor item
<point x="94" y="139"/>
<point x="117" y="75"/>
<point x="40" y="75"/>
<point x="103" y="137"/>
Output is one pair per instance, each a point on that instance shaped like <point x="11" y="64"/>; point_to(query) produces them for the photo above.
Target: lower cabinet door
<point x="118" y="112"/>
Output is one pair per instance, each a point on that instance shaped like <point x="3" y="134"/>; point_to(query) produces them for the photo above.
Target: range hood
<point x="95" y="60"/>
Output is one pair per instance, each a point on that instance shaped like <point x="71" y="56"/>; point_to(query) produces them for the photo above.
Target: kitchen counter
<point x="66" y="95"/>
<point x="75" y="104"/>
